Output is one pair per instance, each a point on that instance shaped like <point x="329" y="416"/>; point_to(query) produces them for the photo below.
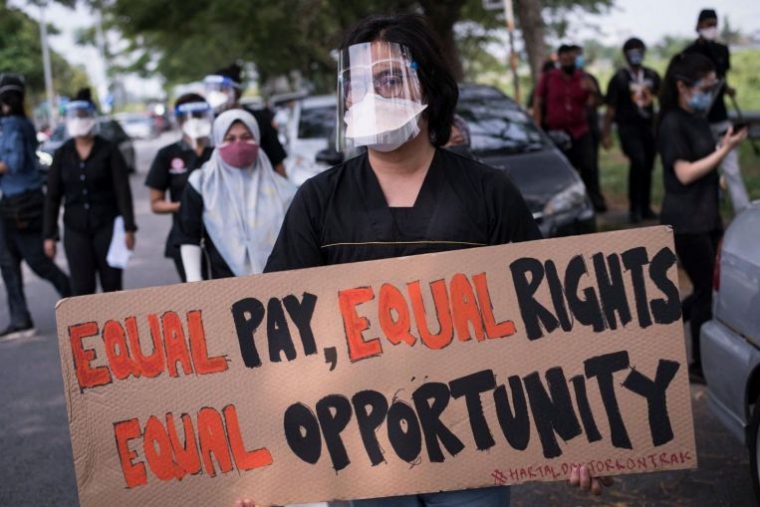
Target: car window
<point x="496" y="125"/>
<point x="316" y="122"/>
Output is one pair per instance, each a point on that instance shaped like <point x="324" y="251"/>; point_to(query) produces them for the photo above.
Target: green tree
<point x="21" y="53"/>
<point x="183" y="41"/>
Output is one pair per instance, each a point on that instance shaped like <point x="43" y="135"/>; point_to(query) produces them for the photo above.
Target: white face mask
<point x="383" y="124"/>
<point x="196" y="128"/>
<point x="219" y="100"/>
<point x="709" y="33"/>
<point x="80" y="127"/>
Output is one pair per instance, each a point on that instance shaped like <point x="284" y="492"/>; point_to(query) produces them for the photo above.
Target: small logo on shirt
<point x="178" y="166"/>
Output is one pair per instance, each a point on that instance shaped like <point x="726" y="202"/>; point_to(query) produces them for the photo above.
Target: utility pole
<point x="52" y="103"/>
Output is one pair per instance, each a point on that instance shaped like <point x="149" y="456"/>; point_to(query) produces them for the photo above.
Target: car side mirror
<point x="329" y="156"/>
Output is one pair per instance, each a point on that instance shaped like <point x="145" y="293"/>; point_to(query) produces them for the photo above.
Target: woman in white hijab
<point x="234" y="205"/>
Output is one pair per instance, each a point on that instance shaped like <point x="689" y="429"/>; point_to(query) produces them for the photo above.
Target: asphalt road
<point x="36" y="465"/>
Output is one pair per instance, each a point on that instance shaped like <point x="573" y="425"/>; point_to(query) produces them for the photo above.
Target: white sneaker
<point x="16" y="333"/>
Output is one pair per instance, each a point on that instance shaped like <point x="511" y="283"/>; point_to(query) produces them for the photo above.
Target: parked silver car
<point x="730" y="342"/>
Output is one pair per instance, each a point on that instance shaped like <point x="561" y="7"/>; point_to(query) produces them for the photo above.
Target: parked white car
<point x="730" y="342"/>
<point x="311" y="126"/>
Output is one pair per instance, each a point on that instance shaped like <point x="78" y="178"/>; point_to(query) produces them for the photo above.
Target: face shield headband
<point x="380" y="97"/>
<point x="80" y="118"/>
<point x="196" y="119"/>
<point x="220" y="91"/>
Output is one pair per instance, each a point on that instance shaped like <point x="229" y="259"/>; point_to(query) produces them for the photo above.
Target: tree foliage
<point x="21" y="53"/>
<point x="185" y="40"/>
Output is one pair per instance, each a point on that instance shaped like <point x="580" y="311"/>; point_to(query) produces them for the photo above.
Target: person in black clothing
<point x="706" y="45"/>
<point x="21" y="209"/>
<point x="174" y="164"/>
<point x="630" y="103"/>
<point x="689" y="160"/>
<point x="406" y="195"/>
<point x="223" y="92"/>
<point x="90" y="176"/>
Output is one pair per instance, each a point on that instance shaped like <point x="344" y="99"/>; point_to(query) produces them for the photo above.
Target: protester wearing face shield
<point x="89" y="175"/>
<point x="563" y="96"/>
<point x="690" y="159"/>
<point x="174" y="164"/>
<point x="223" y="92"/>
<point x="21" y="209"/>
<point x="631" y="93"/>
<point x="406" y="195"/>
<point x="719" y="54"/>
<point x="234" y="205"/>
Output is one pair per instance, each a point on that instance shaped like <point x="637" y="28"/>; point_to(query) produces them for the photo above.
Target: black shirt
<point x="190" y="231"/>
<point x="621" y="89"/>
<point x="341" y="215"/>
<point x="691" y="208"/>
<point x="269" y="141"/>
<point x="169" y="171"/>
<point x="94" y="191"/>
<point x="720" y="56"/>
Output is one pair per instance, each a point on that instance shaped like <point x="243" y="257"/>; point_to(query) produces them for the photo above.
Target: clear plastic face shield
<point x="221" y="92"/>
<point x="80" y="118"/>
<point x="379" y="96"/>
<point x="196" y="120"/>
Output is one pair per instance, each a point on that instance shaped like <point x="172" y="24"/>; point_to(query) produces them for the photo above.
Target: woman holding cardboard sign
<point x="406" y="195"/>
<point x="234" y="205"/>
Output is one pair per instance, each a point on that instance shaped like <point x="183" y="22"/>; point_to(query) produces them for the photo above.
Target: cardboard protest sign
<point x="485" y="366"/>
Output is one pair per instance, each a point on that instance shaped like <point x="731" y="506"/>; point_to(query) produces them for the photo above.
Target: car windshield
<point x="497" y="126"/>
<point x="317" y="122"/>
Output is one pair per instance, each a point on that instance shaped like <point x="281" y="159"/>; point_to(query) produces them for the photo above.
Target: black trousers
<point x="86" y="253"/>
<point x="637" y="141"/>
<point x="581" y="156"/>
<point x="26" y="244"/>
<point x="697" y="254"/>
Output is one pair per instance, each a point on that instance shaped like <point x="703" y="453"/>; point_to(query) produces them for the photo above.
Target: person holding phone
<point x="690" y="159"/>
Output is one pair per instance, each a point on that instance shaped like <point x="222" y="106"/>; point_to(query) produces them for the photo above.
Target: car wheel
<point x="753" y="443"/>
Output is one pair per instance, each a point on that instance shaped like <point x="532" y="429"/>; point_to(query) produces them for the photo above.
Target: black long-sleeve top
<point x="341" y="215"/>
<point x="94" y="191"/>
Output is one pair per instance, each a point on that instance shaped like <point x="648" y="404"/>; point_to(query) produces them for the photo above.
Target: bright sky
<point x="647" y="19"/>
<point x="651" y="20"/>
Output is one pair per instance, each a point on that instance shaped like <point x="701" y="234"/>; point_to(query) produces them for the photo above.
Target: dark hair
<point x="12" y="89"/>
<point x="548" y="65"/>
<point x="85" y="95"/>
<point x="188" y="98"/>
<point x="634" y="43"/>
<point x="566" y="48"/>
<point x="706" y="14"/>
<point x="15" y="102"/>
<point x="686" y="67"/>
<point x="234" y="72"/>
<point x="436" y="79"/>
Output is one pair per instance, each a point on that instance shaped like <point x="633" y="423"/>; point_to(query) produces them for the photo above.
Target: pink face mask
<point x="240" y="154"/>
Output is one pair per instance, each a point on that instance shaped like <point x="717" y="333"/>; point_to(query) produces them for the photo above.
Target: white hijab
<point x="243" y="209"/>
